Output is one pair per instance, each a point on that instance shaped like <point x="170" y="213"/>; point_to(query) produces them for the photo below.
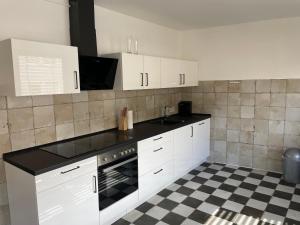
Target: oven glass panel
<point x="116" y="183"/>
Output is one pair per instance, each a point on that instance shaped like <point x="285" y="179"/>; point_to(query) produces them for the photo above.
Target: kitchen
<point x="246" y="79"/>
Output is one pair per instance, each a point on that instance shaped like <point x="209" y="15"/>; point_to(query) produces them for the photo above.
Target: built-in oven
<point x="117" y="174"/>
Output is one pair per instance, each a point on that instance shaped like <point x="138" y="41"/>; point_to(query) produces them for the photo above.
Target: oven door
<point x="116" y="181"/>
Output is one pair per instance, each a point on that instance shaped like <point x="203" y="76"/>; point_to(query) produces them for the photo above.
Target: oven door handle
<point x="119" y="164"/>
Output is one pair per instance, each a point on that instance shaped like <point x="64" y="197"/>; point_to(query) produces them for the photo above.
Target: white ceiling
<point x="193" y="14"/>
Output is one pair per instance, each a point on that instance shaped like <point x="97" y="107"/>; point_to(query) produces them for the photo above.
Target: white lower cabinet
<point x="201" y="142"/>
<point x="112" y="213"/>
<point x="152" y="182"/>
<point x="74" y="202"/>
<point x="183" y="150"/>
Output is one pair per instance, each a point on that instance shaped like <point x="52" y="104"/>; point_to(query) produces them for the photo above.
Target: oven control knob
<point x="114" y="156"/>
<point x="129" y="150"/>
<point x="122" y="153"/>
<point x="132" y="149"/>
<point x="104" y="159"/>
<point x="126" y="152"/>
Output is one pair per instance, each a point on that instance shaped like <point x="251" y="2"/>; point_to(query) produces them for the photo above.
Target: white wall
<point x="48" y="21"/>
<point x="260" y="50"/>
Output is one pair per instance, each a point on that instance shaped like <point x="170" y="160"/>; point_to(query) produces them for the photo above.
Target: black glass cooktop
<point x="84" y="145"/>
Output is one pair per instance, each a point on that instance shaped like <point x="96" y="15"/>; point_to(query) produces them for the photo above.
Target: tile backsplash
<point x="253" y="121"/>
<point x="37" y="120"/>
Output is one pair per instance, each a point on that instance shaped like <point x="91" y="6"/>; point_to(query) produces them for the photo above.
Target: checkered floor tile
<point x="216" y="194"/>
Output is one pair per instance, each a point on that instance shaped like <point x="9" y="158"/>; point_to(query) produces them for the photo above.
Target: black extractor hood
<point x="96" y="73"/>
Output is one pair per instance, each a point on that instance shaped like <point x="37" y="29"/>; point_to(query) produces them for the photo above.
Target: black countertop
<point x="41" y="159"/>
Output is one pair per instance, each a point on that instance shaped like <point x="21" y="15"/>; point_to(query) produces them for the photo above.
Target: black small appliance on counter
<point x="185" y="108"/>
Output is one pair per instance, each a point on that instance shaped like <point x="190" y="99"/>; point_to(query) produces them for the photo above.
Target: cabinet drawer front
<point x="66" y="173"/>
<point x="161" y="177"/>
<point x="155" y="141"/>
<point x="156" y="154"/>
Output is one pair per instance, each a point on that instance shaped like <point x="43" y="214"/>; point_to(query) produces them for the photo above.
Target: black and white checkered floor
<point x="216" y="194"/>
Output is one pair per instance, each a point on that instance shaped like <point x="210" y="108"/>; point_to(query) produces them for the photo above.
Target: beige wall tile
<point x="42" y="100"/>
<point x="247" y="125"/>
<point x="291" y="141"/>
<point x="221" y="86"/>
<point x="292" y="114"/>
<point x="5" y="145"/>
<point x="221" y="99"/>
<point x="97" y="124"/>
<point x="151" y="92"/>
<point x="278" y="100"/>
<point x="292" y="128"/>
<point x="261" y="138"/>
<point x="262" y="113"/>
<point x="63" y="113"/>
<point x="3" y="104"/>
<point x="246" y="155"/>
<point x="263" y="86"/>
<point x="275" y="140"/>
<point x="293" y="86"/>
<point x="64" y="131"/>
<point x="219" y="134"/>
<point x="62" y="99"/>
<point x="248" y="86"/>
<point x="127" y="94"/>
<point x="208" y="86"/>
<point x="233" y="151"/>
<point x="80" y="97"/>
<point x="262" y="126"/>
<point x="110" y="108"/>
<point x="246" y="137"/>
<point x="43" y="116"/>
<point x="108" y="94"/>
<point x="234" y="99"/>
<point x="234" y="86"/>
<point x="19" y="102"/>
<point x="81" y="111"/>
<point x="45" y="135"/>
<point x="262" y="99"/>
<point x="110" y="122"/>
<point x="276" y="127"/>
<point x="209" y="98"/>
<point x="198" y="89"/>
<point x="96" y="109"/>
<point x="278" y="86"/>
<point x="82" y="127"/>
<point x="247" y="99"/>
<point x="247" y="112"/>
<point x="234" y="111"/>
<point x="233" y="123"/>
<point x="277" y="113"/>
<point x="233" y="135"/>
<point x="22" y="140"/>
<point x="19" y="123"/>
<point x="150" y="102"/>
<point x="293" y="100"/>
<point x="197" y="98"/>
<point x="3" y="122"/>
<point x="220" y="110"/>
<point x="220" y="122"/>
<point x="4" y="215"/>
<point x="219" y="152"/>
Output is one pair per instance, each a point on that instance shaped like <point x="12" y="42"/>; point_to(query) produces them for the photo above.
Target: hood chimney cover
<point x="82" y="27"/>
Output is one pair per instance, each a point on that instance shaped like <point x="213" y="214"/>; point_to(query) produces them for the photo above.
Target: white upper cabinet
<point x="33" y="68"/>
<point x="152" y="71"/>
<point x="137" y="72"/>
<point x="178" y="73"/>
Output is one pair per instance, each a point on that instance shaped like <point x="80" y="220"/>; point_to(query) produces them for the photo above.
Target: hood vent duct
<point x="82" y="27"/>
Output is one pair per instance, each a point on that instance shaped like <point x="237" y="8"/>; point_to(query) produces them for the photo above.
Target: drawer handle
<point x="158" y="171"/>
<point x="158" y="149"/>
<point x="95" y="184"/>
<point x="156" y="139"/>
<point x="67" y="171"/>
<point x="201" y="124"/>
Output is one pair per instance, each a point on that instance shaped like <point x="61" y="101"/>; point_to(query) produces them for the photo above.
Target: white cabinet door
<point x="170" y="73"/>
<point x="133" y="71"/>
<point x="190" y="73"/>
<point x="201" y="141"/>
<point x="151" y="72"/>
<point x="41" y="68"/>
<point x="183" y="147"/>
<point x="74" y="202"/>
